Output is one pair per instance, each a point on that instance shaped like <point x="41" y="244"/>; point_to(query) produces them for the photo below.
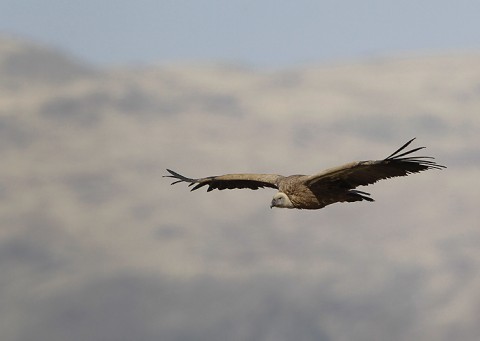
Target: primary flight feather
<point x="319" y="190"/>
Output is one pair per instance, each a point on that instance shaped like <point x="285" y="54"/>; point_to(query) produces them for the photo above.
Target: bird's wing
<point x="363" y="173"/>
<point x="229" y="181"/>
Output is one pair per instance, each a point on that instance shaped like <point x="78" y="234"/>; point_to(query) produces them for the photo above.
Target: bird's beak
<point x="272" y="204"/>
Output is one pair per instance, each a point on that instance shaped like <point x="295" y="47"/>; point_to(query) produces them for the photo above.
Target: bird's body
<point x="319" y="190"/>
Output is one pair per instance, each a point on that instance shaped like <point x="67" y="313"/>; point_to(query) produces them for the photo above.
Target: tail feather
<point x="356" y="195"/>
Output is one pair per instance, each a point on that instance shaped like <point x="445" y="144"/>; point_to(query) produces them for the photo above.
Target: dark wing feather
<point x="228" y="181"/>
<point x="363" y="173"/>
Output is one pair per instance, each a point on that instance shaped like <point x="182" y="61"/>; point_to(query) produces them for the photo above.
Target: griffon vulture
<point x="319" y="190"/>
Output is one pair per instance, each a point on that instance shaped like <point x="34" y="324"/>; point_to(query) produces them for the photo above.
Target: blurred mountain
<point x="30" y="62"/>
<point x="96" y="245"/>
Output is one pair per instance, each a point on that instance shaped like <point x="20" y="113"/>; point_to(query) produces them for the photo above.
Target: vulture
<point x="316" y="191"/>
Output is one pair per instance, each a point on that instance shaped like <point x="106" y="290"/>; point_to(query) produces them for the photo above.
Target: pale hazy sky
<point x="257" y="32"/>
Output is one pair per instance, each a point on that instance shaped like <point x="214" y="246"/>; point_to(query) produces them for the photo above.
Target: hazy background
<point x="257" y="32"/>
<point x="97" y="99"/>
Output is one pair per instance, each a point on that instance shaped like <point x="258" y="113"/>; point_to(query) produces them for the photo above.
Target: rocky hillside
<point x="96" y="245"/>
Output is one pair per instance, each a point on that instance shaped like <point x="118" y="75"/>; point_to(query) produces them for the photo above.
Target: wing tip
<point x="395" y="153"/>
<point x="179" y="178"/>
<point x="420" y="160"/>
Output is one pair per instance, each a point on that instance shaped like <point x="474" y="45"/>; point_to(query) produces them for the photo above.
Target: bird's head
<point x="281" y="200"/>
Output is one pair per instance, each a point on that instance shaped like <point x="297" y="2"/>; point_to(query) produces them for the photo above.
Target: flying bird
<point x="316" y="191"/>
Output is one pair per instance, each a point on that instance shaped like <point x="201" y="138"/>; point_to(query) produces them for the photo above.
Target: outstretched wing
<point x="363" y="173"/>
<point x="229" y="181"/>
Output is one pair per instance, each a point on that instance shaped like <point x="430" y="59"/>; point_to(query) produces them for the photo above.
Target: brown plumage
<point x="319" y="190"/>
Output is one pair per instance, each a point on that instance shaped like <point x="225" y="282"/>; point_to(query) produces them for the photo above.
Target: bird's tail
<point x="355" y="195"/>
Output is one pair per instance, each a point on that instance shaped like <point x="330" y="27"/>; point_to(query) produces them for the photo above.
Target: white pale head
<point x="281" y="200"/>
